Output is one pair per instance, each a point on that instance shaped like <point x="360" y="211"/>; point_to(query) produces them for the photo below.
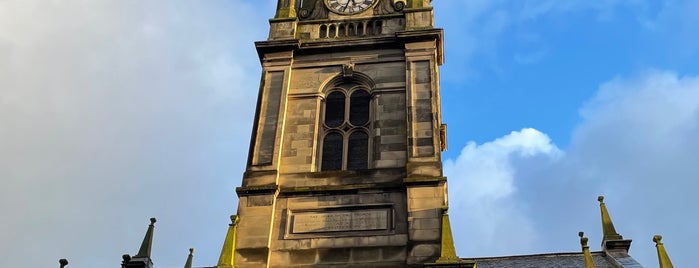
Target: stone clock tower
<point x="344" y="167"/>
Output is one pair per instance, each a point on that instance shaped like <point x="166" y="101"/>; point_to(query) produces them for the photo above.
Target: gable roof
<point x="560" y="260"/>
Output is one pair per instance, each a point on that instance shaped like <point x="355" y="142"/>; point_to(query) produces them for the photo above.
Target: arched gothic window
<point x="346" y="128"/>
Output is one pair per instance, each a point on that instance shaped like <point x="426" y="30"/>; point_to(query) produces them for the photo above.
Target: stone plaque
<point x="340" y="221"/>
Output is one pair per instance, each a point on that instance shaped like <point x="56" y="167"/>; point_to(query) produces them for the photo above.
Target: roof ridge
<point x="536" y="255"/>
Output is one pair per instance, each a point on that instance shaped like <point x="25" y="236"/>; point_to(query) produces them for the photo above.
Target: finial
<point x="587" y="256"/>
<point x="234" y="220"/>
<point x="144" y="251"/>
<point x="125" y="259"/>
<point x="227" y="258"/>
<point x="285" y="9"/>
<point x="663" y="258"/>
<point x="448" y="252"/>
<point x="583" y="242"/>
<point x="188" y="263"/>
<point x="63" y="262"/>
<point x="608" y="230"/>
<point x="420" y="3"/>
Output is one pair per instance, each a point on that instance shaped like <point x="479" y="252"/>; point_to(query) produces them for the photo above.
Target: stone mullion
<point x="318" y="138"/>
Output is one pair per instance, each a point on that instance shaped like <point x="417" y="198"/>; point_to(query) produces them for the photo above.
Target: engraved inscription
<point x="360" y="220"/>
<point x="369" y="220"/>
<point x="321" y="222"/>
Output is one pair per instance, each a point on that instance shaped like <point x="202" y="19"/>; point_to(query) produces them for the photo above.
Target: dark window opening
<point x="346" y="118"/>
<point x="323" y="31"/>
<point x="359" y="108"/>
<point x="358" y="151"/>
<point x="341" y="30"/>
<point x="352" y="29"/>
<point x="332" y="152"/>
<point x="335" y="109"/>
<point x="378" y="28"/>
<point x="333" y="30"/>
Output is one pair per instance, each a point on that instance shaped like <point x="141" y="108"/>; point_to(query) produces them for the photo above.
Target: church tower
<point x="345" y="163"/>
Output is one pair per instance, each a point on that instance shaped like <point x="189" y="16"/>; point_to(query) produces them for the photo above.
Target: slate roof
<point x="557" y="260"/>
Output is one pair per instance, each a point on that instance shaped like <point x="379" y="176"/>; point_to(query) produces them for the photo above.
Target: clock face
<point x="347" y="7"/>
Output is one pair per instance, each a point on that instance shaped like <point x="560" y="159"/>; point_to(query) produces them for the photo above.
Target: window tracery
<point x="346" y="127"/>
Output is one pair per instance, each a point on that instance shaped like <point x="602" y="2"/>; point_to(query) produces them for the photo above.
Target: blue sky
<point x="534" y="63"/>
<point x="112" y="112"/>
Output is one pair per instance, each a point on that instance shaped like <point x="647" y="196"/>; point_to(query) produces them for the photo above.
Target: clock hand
<point x="345" y="8"/>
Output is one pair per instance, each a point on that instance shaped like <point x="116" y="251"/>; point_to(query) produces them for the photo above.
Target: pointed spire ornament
<point x="608" y="229"/>
<point x="611" y="240"/>
<point x="589" y="262"/>
<point x="227" y="258"/>
<point x="188" y="263"/>
<point x="286" y="9"/>
<point x="144" y="251"/>
<point x="663" y="258"/>
<point x="420" y="3"/>
<point x="142" y="258"/>
<point x="63" y="262"/>
<point x="448" y="254"/>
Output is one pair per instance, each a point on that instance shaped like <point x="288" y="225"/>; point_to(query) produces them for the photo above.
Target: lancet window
<point x="346" y="126"/>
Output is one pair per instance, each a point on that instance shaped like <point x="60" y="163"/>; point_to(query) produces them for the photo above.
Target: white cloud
<point x="108" y="105"/>
<point x="636" y="144"/>
<point x="484" y="175"/>
<point x="115" y="111"/>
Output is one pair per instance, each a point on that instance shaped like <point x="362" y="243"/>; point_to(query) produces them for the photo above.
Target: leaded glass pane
<point x="359" y="108"/>
<point x="335" y="109"/>
<point x="332" y="152"/>
<point x="358" y="151"/>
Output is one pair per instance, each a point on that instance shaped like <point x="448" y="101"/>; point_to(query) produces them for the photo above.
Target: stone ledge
<point x="423" y="180"/>
<point x="256" y="190"/>
<point x="353" y="188"/>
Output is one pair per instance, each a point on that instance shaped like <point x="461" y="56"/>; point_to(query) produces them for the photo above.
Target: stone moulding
<point x="340" y="221"/>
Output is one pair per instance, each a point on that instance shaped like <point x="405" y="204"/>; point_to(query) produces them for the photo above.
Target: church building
<point x="344" y="167"/>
